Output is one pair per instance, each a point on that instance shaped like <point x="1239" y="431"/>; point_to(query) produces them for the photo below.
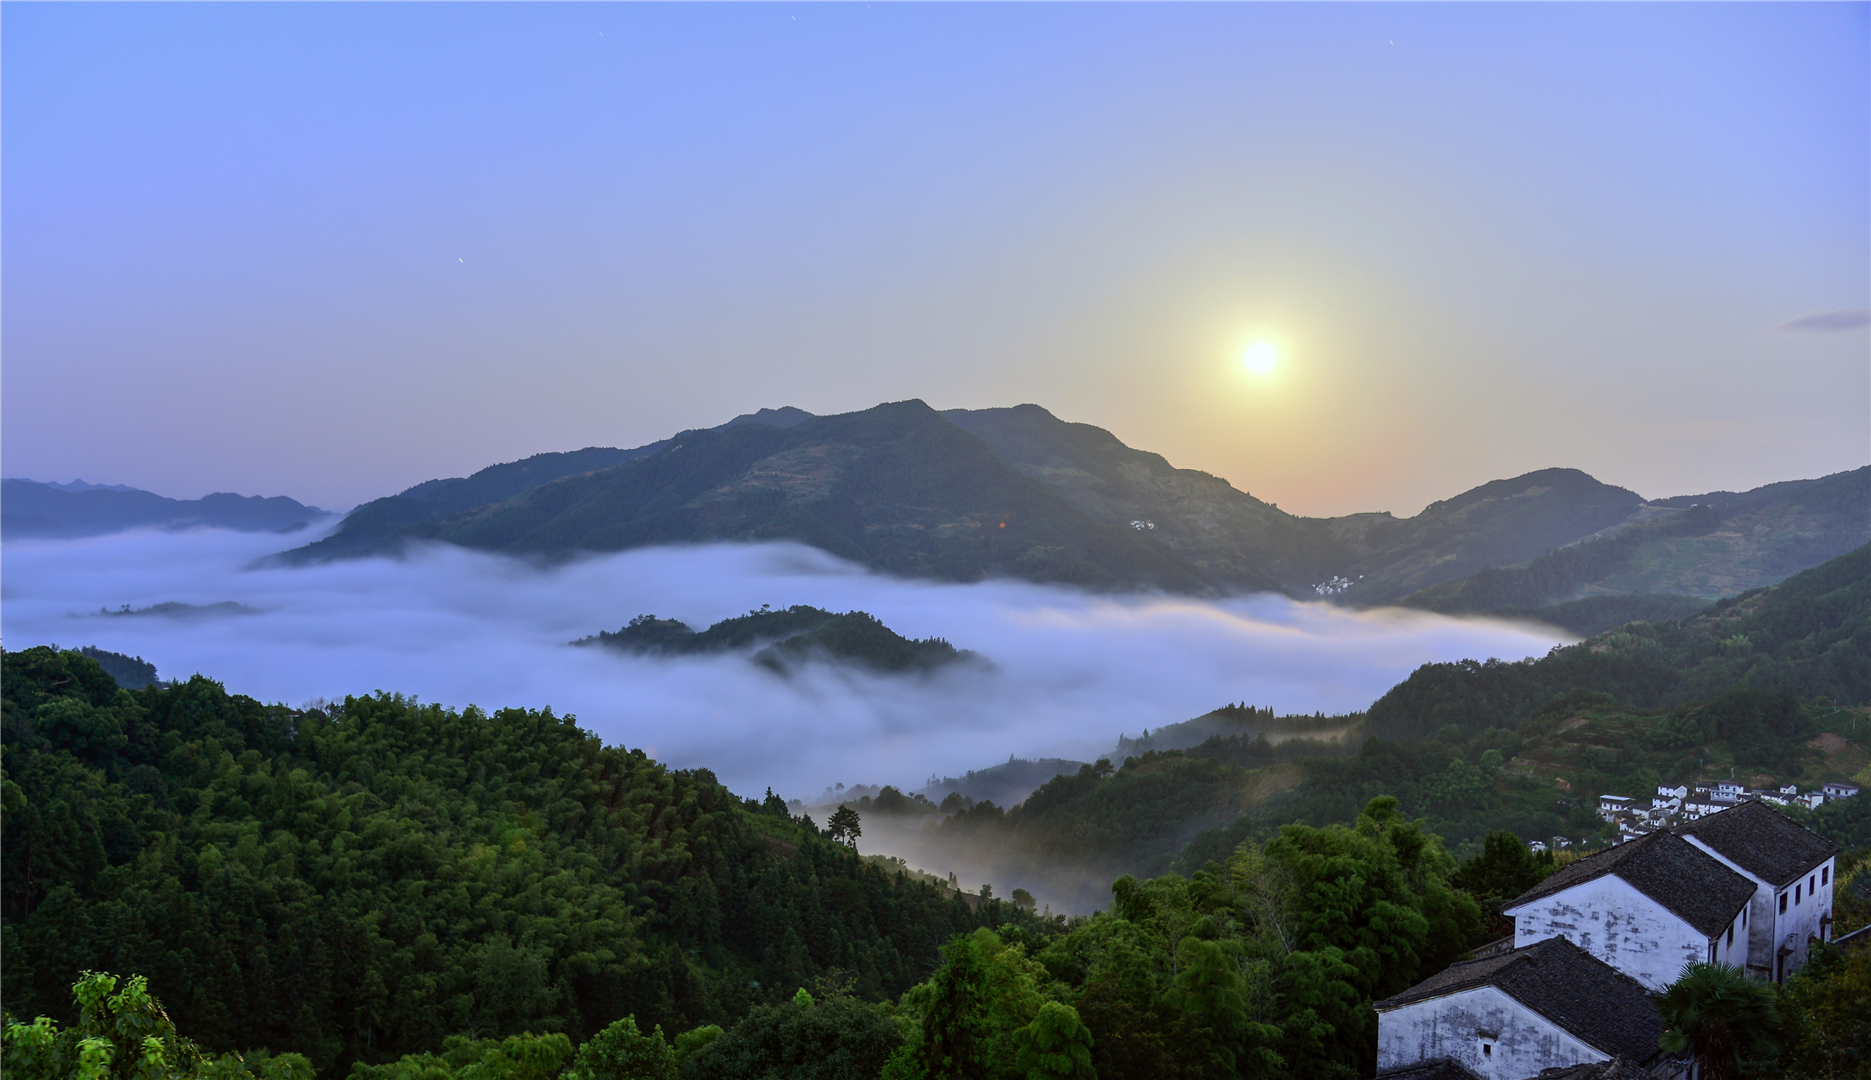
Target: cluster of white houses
<point x="1592" y="943"/>
<point x="1673" y="806"/>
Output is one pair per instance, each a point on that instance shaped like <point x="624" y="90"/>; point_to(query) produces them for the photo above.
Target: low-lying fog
<point x="1069" y="671"/>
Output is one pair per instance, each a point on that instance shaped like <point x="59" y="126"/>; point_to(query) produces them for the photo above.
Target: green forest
<point x="198" y="884"/>
<point x="362" y="884"/>
<point x="1769" y="686"/>
<point x="790" y="636"/>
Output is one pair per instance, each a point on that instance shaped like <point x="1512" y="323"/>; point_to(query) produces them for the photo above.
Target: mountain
<point x="909" y="491"/>
<point x="1705" y="546"/>
<point x="896" y="487"/>
<point x="1233" y="538"/>
<point x="35" y="510"/>
<point x="1772" y="684"/>
<point x="1497" y="524"/>
<point x="80" y="485"/>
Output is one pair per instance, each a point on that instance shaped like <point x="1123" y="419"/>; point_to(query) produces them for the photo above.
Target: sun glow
<point x="1260" y="358"/>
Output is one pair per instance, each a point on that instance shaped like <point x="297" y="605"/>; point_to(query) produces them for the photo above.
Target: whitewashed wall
<point x="1767" y="928"/>
<point x="1610" y="919"/>
<point x="1495" y="1036"/>
<point x="1806" y="906"/>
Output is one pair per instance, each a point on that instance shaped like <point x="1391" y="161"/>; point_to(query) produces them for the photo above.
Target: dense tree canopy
<point x="359" y="884"/>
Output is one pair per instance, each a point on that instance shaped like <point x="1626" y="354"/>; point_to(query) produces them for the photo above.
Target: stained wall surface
<point x="1489" y="1032"/>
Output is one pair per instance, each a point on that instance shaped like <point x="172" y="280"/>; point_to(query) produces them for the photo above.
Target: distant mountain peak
<point x="783" y="417"/>
<point x="76" y="485"/>
<point x="60" y="511"/>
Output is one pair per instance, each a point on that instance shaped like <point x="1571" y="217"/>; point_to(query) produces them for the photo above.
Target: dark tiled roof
<point x="1668" y="869"/>
<point x="1439" y="1069"/>
<point x="1616" y="1068"/>
<point x="1763" y="841"/>
<point x="1565" y="984"/>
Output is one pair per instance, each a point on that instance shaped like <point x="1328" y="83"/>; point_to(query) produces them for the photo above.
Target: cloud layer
<point x="1827" y="322"/>
<point x="1069" y="671"/>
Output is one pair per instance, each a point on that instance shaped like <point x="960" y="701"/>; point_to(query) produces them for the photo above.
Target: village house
<point x="1647" y="908"/>
<point x="1509" y="1016"/>
<point x="1839" y="791"/>
<point x="1790" y="870"/>
<point x="1610" y="806"/>
<point x="1701" y="803"/>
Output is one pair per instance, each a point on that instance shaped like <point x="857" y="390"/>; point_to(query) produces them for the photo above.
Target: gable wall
<point x="1768" y="930"/>
<point x="1610" y="919"/>
<point x="1520" y="1041"/>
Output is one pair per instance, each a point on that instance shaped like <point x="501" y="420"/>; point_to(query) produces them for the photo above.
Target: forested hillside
<point x="1770" y="685"/>
<point x="399" y="891"/>
<point x="1017" y="492"/>
<point x="1809" y="636"/>
<point x="786" y="638"/>
<point x="1236" y="540"/>
<point x="358" y="884"/>
<point x="896" y="487"/>
<point x="1714" y="545"/>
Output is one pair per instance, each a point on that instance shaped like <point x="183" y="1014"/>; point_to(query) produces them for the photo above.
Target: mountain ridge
<point x="60" y="511"/>
<point x="1192" y="532"/>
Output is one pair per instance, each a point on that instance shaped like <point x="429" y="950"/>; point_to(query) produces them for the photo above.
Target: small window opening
<point x="1796" y="896"/>
<point x="1783" y="903"/>
<point x="1487" y="1050"/>
<point x="1731" y="935"/>
<point x="1825" y="876"/>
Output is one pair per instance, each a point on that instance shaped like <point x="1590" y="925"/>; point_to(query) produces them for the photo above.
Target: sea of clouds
<point x="1067" y="671"/>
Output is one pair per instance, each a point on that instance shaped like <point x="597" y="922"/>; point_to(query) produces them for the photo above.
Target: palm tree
<point x="1721" y="1017"/>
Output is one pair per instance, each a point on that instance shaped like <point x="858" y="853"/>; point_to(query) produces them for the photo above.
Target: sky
<point x="329" y="251"/>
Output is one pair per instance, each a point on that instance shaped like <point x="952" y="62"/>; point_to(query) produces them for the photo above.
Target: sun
<point x="1260" y="358"/>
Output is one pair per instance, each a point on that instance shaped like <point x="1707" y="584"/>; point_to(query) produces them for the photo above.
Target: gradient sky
<point x="329" y="251"/>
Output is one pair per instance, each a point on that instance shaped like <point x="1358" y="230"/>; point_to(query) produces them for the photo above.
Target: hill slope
<point x="895" y="487"/>
<point x="54" y="512"/>
<point x="914" y="500"/>
<point x="1705" y="546"/>
<point x="358" y="883"/>
<point x="1497" y="524"/>
<point x="787" y="638"/>
<point x="1229" y="535"/>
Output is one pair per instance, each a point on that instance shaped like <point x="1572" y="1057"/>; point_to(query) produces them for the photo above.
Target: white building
<point x="1790" y="869"/>
<point x="1510" y="1016"/>
<point x="1610" y="806"/>
<point x="1646" y="907"/>
<point x="1839" y="791"/>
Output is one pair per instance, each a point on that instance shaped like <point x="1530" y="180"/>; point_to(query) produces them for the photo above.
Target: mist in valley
<point x="1062" y="673"/>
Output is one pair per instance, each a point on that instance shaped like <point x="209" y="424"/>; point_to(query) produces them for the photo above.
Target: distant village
<point x="1672" y="806"/>
<point x="1718" y="875"/>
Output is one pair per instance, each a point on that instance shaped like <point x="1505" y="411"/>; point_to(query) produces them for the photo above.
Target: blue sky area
<point x="333" y="250"/>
